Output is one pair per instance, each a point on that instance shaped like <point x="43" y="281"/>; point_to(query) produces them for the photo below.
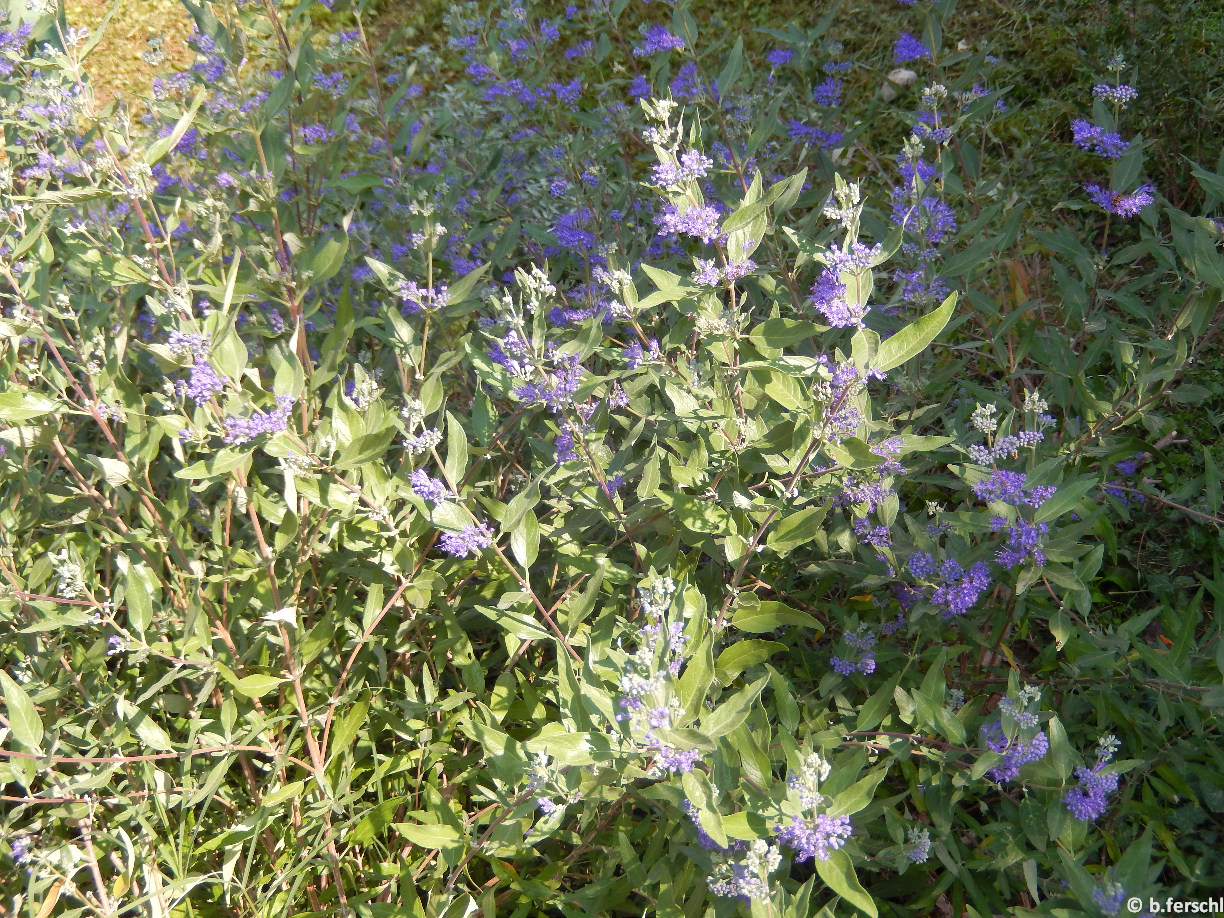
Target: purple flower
<point x="1087" y="801"/>
<point x="737" y="269"/>
<point x="430" y="489"/>
<point x="813" y="135"/>
<point x="828" y="93"/>
<point x="614" y="484"/>
<point x="19" y="849"/>
<point x="1015" y="753"/>
<point x="707" y="273"/>
<point x="1091" y="138"/>
<point x="926" y="172"/>
<point x="243" y="430"/>
<point x="701" y="222"/>
<point x="930" y="216"/>
<point x="417" y="298"/>
<point x="578" y="50"/>
<point x="557" y="389"/>
<point x="675" y="761"/>
<point x="818" y="838"/>
<point x="694" y="164"/>
<point x="779" y="56"/>
<point x="1011" y="488"/>
<point x="879" y="536"/>
<point x="564" y="446"/>
<point x="908" y="48"/>
<point x="959" y="590"/>
<point x="1120" y="95"/>
<point x="570" y="230"/>
<point x="1123" y="205"/>
<point x="639" y="87"/>
<point x="204" y="383"/>
<point x="1008" y="445"/>
<point x="468" y="541"/>
<point x="829" y="293"/>
<point x="657" y="39"/>
<point x="1023" y="542"/>
<point x="862" y="659"/>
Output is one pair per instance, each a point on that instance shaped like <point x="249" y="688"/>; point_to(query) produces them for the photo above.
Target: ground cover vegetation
<point x="631" y="458"/>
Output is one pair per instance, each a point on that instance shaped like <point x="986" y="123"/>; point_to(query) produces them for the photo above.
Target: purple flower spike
<point x="908" y="48"/>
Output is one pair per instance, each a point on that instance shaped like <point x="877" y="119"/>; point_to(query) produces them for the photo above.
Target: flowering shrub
<point x="546" y="472"/>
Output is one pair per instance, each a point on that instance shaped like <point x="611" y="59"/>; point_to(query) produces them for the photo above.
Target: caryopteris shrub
<point x="562" y="470"/>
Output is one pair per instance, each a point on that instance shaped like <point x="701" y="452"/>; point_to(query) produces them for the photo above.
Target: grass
<point x="116" y="68"/>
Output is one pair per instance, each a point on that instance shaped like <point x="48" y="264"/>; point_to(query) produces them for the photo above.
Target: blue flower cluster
<point x="863" y="659"/>
<point x="816" y="838"/>
<point x="1014" y="751"/>
<point x="908" y="48"/>
<point x="243" y="430"/>
<point x="1110" y="145"/>
<point x="468" y="541"/>
<point x="1012" y="488"/>
<point x="657" y="39"/>
<point x="430" y="489"/>
<point x="955" y="590"/>
<point x="1087" y="802"/>
<point x="1094" y="139"/>
<point x="829" y="291"/>
<point x="204" y="382"/>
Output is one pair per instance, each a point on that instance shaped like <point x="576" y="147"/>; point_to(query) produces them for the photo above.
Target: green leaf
<point x="327" y="259"/>
<point x="17" y="406"/>
<point x="781" y="333"/>
<point x="256" y="685"/>
<point x="732" y="712"/>
<point x="700" y="792"/>
<point x="160" y="148"/>
<point x="375" y="821"/>
<point x="521" y="625"/>
<point x="797" y="529"/>
<point x="23" y="717"/>
<point x="430" y="836"/>
<point x="742" y="654"/>
<point x="1211" y="481"/>
<point x="525" y="540"/>
<point x="229" y="354"/>
<point x="456" y="450"/>
<point x="732" y="69"/>
<point x="874" y="708"/>
<point x="139" y="587"/>
<point x="459" y="291"/>
<point x="858" y="795"/>
<point x="783" y="195"/>
<point x="115" y="473"/>
<point x="365" y="448"/>
<point x="698" y="515"/>
<point x="698" y="674"/>
<point x="838" y="874"/>
<point x="1067" y="498"/>
<point x="347" y="727"/>
<point x="100" y="31"/>
<point x="743" y="216"/>
<point x="672" y="288"/>
<point x="914" y="338"/>
<point x="216" y="466"/>
<point x="522" y="502"/>
<point x="767" y="616"/>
